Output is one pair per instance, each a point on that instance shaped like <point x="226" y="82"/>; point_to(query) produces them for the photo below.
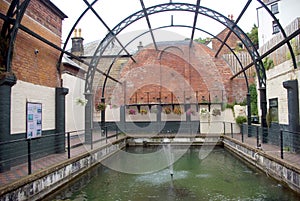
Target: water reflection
<point x="220" y="176"/>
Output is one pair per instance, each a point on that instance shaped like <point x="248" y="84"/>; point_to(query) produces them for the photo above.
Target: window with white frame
<point x="274" y="8"/>
<point x="275" y="27"/>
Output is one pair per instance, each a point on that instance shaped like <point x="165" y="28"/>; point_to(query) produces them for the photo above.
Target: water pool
<point x="219" y="176"/>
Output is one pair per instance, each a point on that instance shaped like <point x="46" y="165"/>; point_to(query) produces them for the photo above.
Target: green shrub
<point x="241" y="119"/>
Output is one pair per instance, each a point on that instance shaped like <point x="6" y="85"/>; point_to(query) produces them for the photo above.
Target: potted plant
<point x="204" y="112"/>
<point x="100" y="106"/>
<point x="190" y="112"/>
<point x="132" y="112"/>
<point x="80" y="101"/>
<point x="167" y="110"/>
<point x="143" y="111"/>
<point x="240" y="120"/>
<point x="177" y="110"/>
<point x="216" y="112"/>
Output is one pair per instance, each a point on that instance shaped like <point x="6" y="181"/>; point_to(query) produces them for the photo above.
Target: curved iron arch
<point x="176" y="7"/>
<point x="17" y="10"/>
<point x="72" y="30"/>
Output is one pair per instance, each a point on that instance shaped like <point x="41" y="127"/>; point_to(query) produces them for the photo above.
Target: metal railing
<point x="35" y="153"/>
<point x="30" y="155"/>
<point x="274" y="140"/>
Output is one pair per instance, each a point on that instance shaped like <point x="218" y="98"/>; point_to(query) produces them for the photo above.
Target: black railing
<point x="16" y="153"/>
<point x="273" y="139"/>
<point x="33" y="152"/>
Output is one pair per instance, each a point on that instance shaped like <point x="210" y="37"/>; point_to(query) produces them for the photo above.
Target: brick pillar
<point x="6" y="83"/>
<point x="60" y="114"/>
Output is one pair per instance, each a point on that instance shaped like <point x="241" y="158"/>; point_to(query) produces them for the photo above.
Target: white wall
<point x="288" y="11"/>
<point x="23" y="92"/>
<point x="275" y="78"/>
<point x="74" y="111"/>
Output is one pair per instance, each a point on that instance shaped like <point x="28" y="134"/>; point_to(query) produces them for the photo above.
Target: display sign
<point x="34" y="120"/>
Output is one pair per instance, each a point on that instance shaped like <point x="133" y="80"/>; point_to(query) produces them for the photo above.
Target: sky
<point x="114" y="11"/>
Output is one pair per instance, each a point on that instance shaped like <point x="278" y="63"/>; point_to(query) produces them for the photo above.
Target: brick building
<point x="192" y="73"/>
<point x="233" y="42"/>
<point x="36" y="76"/>
<point x="170" y="75"/>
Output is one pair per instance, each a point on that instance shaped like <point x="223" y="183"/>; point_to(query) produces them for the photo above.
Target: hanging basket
<point x="100" y="107"/>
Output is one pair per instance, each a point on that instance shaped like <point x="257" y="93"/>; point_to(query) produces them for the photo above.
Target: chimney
<point x="77" y="44"/>
<point x="140" y="46"/>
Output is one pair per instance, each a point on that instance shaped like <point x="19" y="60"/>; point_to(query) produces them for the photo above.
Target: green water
<point x="220" y="176"/>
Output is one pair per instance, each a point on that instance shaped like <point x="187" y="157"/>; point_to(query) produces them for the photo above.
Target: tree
<point x="253" y="35"/>
<point x="202" y="40"/>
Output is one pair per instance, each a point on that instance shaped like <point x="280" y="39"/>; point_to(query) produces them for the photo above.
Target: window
<point x="275" y="27"/>
<point x="274" y="8"/>
<point x="273" y="111"/>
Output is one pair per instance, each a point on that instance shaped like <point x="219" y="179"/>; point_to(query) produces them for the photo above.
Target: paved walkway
<point x="21" y="171"/>
<point x="77" y="147"/>
<point x="272" y="150"/>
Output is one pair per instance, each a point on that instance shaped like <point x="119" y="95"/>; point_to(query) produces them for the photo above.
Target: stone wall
<point x="276" y="168"/>
<point x="39" y="184"/>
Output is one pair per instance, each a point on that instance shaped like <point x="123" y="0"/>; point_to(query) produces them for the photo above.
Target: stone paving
<point x="270" y="149"/>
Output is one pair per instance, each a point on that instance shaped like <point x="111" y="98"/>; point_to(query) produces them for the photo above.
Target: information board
<point x="34" y="120"/>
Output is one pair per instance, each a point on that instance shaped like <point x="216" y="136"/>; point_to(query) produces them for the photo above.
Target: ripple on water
<point x="203" y="176"/>
<point x="161" y="177"/>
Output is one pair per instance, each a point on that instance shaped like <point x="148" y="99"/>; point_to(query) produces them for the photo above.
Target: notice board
<point x="33" y="120"/>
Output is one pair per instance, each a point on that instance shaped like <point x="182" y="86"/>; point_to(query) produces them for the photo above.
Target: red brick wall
<point x="231" y="42"/>
<point x="38" y="69"/>
<point x="207" y="76"/>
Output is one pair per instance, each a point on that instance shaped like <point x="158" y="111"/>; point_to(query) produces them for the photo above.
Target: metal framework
<point x="182" y="26"/>
<point x="176" y="7"/>
<point x="149" y="24"/>
<point x="13" y="17"/>
<point x="12" y="24"/>
<point x="235" y="23"/>
<point x="195" y="22"/>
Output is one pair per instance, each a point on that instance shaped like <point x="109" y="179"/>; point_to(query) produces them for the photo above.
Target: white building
<point x="286" y="11"/>
<point x="282" y="69"/>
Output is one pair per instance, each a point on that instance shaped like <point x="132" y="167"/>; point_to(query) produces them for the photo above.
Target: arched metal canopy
<point x="176" y="7"/>
<point x="17" y="9"/>
<point x="13" y="18"/>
